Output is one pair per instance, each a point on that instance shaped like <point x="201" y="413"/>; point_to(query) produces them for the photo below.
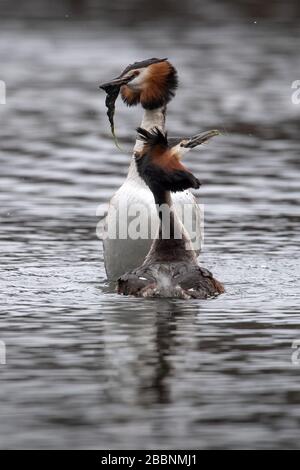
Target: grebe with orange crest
<point x="170" y="269"/>
<point x="152" y="84"/>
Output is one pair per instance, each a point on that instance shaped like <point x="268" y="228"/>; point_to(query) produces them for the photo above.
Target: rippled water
<point x="87" y="368"/>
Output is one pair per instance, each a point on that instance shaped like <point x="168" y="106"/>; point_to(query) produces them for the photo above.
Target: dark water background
<point x="86" y="368"/>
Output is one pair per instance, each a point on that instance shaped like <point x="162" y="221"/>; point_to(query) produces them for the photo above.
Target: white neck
<point x="151" y="118"/>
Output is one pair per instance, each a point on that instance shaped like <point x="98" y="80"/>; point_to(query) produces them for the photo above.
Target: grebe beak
<point x="199" y="139"/>
<point x="115" y="83"/>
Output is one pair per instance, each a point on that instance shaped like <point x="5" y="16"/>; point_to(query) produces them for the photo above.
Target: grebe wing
<point x="133" y="283"/>
<point x="198" y="282"/>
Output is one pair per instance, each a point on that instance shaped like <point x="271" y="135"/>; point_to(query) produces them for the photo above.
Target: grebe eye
<point x="136" y="73"/>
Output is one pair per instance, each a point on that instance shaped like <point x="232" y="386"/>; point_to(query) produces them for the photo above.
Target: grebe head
<point x="159" y="164"/>
<point x="151" y="82"/>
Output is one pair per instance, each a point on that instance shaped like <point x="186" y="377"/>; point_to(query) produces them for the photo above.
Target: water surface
<point x="87" y="368"/>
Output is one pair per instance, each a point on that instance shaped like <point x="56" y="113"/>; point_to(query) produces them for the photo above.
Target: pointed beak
<point x="114" y="83"/>
<point x="199" y="139"/>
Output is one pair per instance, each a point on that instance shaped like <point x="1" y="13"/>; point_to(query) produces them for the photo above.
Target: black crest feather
<point x="141" y="64"/>
<point x="153" y="137"/>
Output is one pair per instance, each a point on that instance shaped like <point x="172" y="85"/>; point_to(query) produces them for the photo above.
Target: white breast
<point x="134" y="201"/>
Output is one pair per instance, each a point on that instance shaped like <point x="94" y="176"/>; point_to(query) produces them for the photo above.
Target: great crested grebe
<point x="170" y="268"/>
<point x="151" y="83"/>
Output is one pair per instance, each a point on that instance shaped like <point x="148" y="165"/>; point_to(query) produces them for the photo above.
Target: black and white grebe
<point x="152" y="84"/>
<point x="170" y="268"/>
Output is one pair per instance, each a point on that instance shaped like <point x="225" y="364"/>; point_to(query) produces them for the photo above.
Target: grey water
<point x="86" y="368"/>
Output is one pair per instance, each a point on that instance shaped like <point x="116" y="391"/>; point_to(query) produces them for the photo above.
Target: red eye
<point x="136" y="73"/>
